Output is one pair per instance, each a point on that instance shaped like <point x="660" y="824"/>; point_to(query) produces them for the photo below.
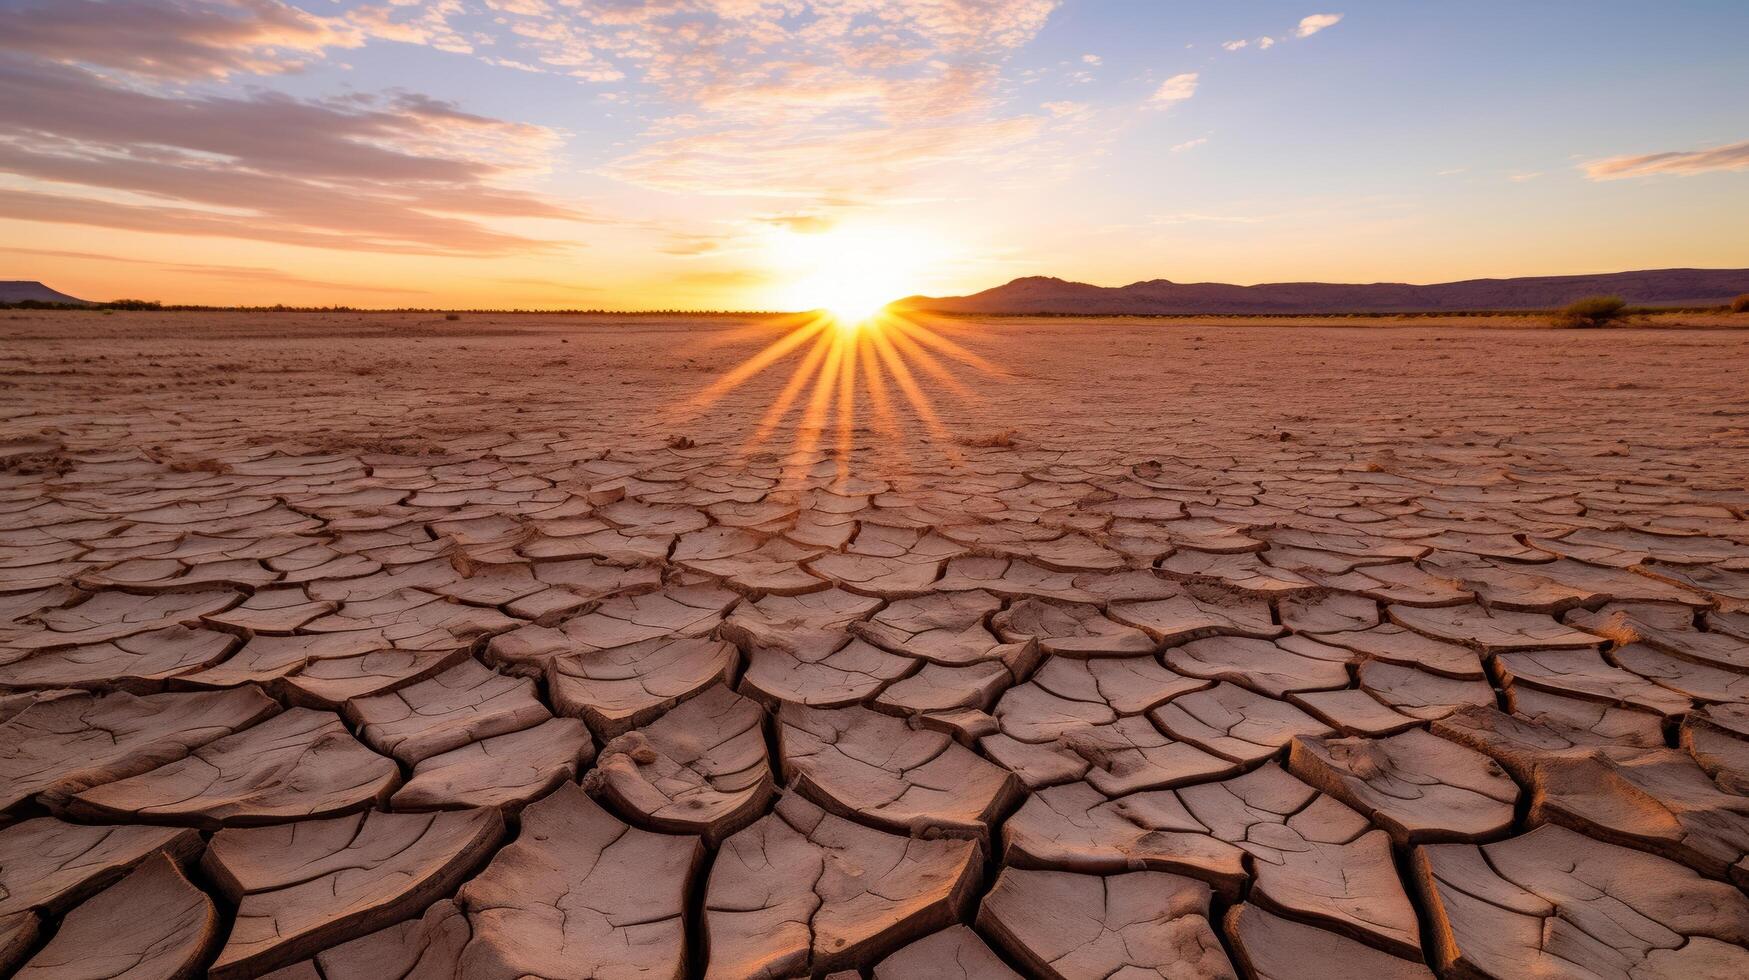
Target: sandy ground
<point x="596" y="646"/>
<point x="1134" y="386"/>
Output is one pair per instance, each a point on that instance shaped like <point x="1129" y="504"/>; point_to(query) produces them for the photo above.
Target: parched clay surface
<point x="580" y="894"/>
<point x="352" y="646"/>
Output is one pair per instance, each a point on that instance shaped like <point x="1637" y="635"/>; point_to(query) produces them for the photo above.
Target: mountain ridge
<point x="32" y="291"/>
<point x="1052" y="295"/>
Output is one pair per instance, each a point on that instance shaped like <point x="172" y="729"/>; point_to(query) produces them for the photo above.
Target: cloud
<point x="133" y="113"/>
<point x="802" y="222"/>
<point x="1315" y="23"/>
<point x="681" y="243"/>
<point x="173" y="39"/>
<point x="1174" y="90"/>
<point x="277" y="277"/>
<point x="413" y="22"/>
<point x="1524" y="178"/>
<point x="1092" y="59"/>
<point x="1685" y="163"/>
<point x="64" y="209"/>
<point x="235" y="273"/>
<point x="749" y="96"/>
<point x="1265" y="43"/>
<point x="549" y="284"/>
<point x="1064" y="108"/>
<point x="397" y="172"/>
<point x="227" y="273"/>
<point x="797" y="161"/>
<point x="1190" y="144"/>
<point x="726" y="278"/>
<point x="185" y="40"/>
<point x="687" y="48"/>
<point x="1236" y="45"/>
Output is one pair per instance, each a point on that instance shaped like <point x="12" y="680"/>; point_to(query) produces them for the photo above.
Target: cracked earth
<point x="351" y="646"/>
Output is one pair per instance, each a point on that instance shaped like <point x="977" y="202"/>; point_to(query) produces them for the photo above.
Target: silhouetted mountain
<point x="1044" y="294"/>
<point x="22" y="290"/>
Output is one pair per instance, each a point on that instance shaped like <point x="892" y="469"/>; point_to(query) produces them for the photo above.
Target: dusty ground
<point x="361" y="645"/>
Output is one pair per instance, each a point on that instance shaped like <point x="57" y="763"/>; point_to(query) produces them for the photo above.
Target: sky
<point x="785" y="154"/>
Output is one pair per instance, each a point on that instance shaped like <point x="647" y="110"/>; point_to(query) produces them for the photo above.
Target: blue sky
<point x="758" y="152"/>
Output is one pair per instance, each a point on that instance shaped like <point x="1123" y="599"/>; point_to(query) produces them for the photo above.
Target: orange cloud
<point x="401" y="173"/>
<point x="180" y="39"/>
<point x="1683" y="162"/>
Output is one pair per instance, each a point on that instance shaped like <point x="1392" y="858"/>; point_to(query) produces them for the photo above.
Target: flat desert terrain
<point x="347" y="646"/>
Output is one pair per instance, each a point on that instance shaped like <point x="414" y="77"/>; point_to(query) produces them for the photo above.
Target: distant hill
<point x="23" y="290"/>
<point x="1044" y="294"/>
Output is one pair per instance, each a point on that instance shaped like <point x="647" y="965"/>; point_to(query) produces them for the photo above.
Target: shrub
<point x="1740" y="304"/>
<point x="1592" y="311"/>
<point x="452" y="316"/>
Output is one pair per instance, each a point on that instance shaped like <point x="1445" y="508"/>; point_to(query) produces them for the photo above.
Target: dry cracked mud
<point x="351" y="646"/>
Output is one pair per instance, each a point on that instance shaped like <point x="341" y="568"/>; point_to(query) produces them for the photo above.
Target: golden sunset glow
<point x="839" y="154"/>
<point x="850" y="271"/>
<point x="852" y="312"/>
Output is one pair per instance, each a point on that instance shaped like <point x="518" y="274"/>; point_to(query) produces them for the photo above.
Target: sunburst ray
<point x="881" y="375"/>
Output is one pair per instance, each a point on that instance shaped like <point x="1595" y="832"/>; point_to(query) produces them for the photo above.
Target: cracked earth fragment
<point x="503" y="677"/>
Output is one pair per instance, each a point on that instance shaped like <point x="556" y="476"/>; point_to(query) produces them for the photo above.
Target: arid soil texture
<point x="353" y="646"/>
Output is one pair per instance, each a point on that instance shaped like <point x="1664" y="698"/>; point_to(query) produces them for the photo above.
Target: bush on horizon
<point x="1740" y="304"/>
<point x="1592" y="311"/>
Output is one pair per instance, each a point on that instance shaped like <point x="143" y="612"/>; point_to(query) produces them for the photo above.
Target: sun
<point x="851" y="312"/>
<point x="851" y="271"/>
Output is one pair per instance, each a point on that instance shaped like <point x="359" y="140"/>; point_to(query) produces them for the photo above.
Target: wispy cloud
<point x="799" y="162"/>
<point x="135" y="113"/>
<point x="1190" y="144"/>
<point x="1174" y="90"/>
<point x="725" y="277"/>
<point x="682" y="243"/>
<point x="800" y="97"/>
<point x="177" y="39"/>
<point x="399" y="172"/>
<point x="279" y="277"/>
<point x="553" y="284"/>
<point x="231" y="273"/>
<point x="1682" y="162"/>
<point x="1315" y="23"/>
<point x="425" y="22"/>
<point x="1236" y="45"/>
<point x="802" y="222"/>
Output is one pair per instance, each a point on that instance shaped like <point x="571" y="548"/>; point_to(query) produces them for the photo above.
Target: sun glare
<point x="837" y="376"/>
<point x="852" y="312"/>
<point x="851" y="271"/>
<point x="848" y="363"/>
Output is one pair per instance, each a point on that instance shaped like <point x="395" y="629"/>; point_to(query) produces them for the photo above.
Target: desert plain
<point x="341" y="646"/>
